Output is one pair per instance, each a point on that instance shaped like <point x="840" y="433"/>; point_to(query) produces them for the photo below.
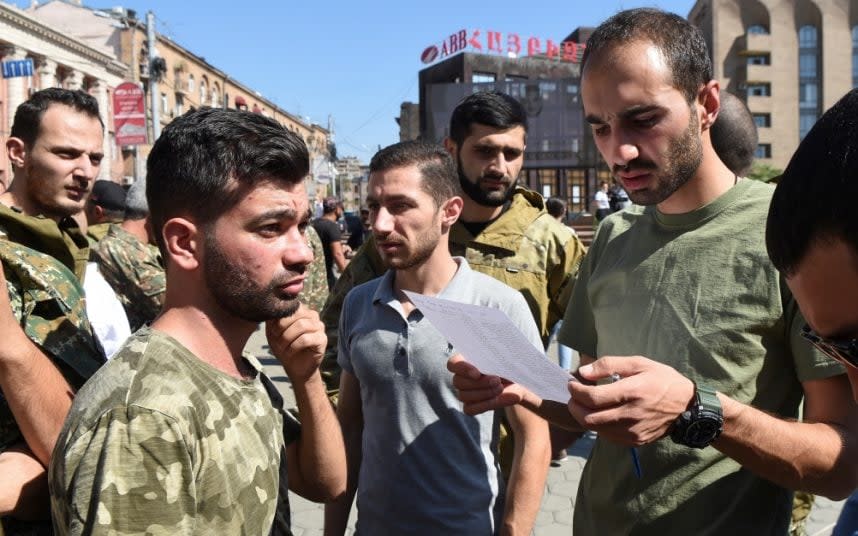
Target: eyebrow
<point x="279" y="214"/>
<point x="628" y="113"/>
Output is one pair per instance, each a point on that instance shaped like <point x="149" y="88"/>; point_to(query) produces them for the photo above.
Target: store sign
<point x="511" y="44"/>
<point x="15" y="68"/>
<point x="129" y="114"/>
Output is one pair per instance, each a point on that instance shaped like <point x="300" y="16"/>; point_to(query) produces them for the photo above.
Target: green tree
<point x="764" y="172"/>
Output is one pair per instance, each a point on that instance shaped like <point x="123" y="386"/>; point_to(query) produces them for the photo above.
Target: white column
<point x="47" y="70"/>
<point x="98" y="89"/>
<point x="74" y="80"/>
<point x="15" y="86"/>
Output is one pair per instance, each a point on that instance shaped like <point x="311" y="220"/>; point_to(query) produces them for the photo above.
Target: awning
<point x="239" y="101"/>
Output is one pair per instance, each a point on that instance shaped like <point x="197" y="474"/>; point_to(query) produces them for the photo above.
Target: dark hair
<point x="680" y="42"/>
<point x="815" y="199"/>
<point x="490" y="108"/>
<point x="28" y="116"/>
<point x="734" y="134"/>
<point x="208" y="158"/>
<point x="438" y="175"/>
<point x="555" y="206"/>
<point x="330" y="204"/>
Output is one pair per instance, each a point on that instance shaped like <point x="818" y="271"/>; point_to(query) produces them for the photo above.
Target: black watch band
<point x="702" y="422"/>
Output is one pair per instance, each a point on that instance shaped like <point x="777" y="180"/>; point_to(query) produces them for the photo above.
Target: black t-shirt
<point x="329" y="232"/>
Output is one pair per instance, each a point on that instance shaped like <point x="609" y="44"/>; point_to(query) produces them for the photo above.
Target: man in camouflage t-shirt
<point x="180" y="432"/>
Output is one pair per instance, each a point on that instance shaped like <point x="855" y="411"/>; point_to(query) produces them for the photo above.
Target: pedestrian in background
<point x="328" y="228"/>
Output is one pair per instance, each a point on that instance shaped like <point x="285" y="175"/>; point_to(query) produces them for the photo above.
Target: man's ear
<point x="183" y="240"/>
<point x="16" y="150"/>
<point x="709" y="101"/>
<point x="450" y="211"/>
<point x="451" y="147"/>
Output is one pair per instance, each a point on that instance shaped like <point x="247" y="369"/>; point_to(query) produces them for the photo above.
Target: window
<point x="808" y="96"/>
<point x="190" y="82"/>
<point x="760" y="90"/>
<point x="764" y="150"/>
<point x="164" y="103"/>
<point x="483" y="78"/>
<point x="807" y="65"/>
<point x="806" y="120"/>
<point x="759" y="59"/>
<point x="807" y="37"/>
<point x="763" y="120"/>
<point x="855" y="56"/>
<point x="204" y="91"/>
<point x="180" y="104"/>
<point x="758" y="29"/>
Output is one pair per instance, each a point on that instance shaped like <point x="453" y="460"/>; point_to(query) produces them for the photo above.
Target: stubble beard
<point x="683" y="159"/>
<point x="235" y="291"/>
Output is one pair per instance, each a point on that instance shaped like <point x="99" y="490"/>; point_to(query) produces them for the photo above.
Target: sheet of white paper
<point x="488" y="339"/>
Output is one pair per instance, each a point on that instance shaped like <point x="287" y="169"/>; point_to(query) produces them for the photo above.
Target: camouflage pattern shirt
<point x="160" y="442"/>
<point x="525" y="248"/>
<point x="315" y="291"/>
<point x="48" y="301"/>
<point x="135" y="273"/>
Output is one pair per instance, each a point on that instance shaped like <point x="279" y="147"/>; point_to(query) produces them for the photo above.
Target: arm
<point x="24" y="493"/>
<point x="480" y="392"/>
<point x="529" y="470"/>
<point x="316" y="462"/>
<point x="37" y="393"/>
<point x="351" y="419"/>
<point x="338" y="252"/>
<point x="819" y="455"/>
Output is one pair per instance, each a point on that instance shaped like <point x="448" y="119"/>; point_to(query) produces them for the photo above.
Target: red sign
<point x="129" y="114"/>
<point x="510" y="44"/>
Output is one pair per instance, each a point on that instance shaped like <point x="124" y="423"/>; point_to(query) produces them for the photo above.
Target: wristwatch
<point x="702" y="422"/>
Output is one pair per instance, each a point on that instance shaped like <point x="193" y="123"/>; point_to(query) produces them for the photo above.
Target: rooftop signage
<point x="510" y="44"/>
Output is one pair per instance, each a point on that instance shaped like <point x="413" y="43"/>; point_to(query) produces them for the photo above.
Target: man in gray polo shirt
<point x="419" y="465"/>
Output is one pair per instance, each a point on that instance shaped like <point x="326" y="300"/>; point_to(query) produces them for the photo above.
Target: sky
<point x="353" y="61"/>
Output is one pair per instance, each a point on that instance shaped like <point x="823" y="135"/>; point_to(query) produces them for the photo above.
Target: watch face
<point x="702" y="431"/>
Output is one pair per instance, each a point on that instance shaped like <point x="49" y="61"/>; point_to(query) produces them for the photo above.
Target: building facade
<point x="44" y="57"/>
<point x="185" y="80"/>
<point x="789" y="59"/>
<point x="560" y="158"/>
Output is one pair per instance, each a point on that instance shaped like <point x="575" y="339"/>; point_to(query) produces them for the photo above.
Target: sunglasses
<point x="844" y="350"/>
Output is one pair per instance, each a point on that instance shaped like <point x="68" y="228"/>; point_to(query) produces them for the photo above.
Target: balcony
<point x="757" y="44"/>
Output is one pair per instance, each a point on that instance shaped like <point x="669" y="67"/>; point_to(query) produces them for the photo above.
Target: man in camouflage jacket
<point x="130" y="264"/>
<point x="49" y="348"/>
<point x="315" y="291"/>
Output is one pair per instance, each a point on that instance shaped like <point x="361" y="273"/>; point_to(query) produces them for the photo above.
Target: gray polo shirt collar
<point x="385" y="294"/>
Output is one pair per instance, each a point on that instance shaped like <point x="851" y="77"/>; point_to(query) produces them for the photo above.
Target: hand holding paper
<point x="494" y="346"/>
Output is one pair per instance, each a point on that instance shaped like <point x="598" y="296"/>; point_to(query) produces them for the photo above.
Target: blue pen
<point x="636" y="461"/>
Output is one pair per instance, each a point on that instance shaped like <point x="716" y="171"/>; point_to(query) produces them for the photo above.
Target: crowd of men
<point x="715" y="320"/>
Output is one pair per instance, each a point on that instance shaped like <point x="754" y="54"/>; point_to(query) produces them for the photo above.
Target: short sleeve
<point x="579" y="326"/>
<point x="810" y="363"/>
<point x="132" y="472"/>
<point x="343" y="355"/>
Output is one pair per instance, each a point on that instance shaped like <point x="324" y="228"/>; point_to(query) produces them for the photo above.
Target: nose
<point x="622" y="149"/>
<point x="87" y="168"/>
<point x="382" y="223"/>
<point x="300" y="252"/>
<point x="498" y="163"/>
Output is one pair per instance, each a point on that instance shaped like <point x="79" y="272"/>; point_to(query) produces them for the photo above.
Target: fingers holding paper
<point x="483" y="392"/>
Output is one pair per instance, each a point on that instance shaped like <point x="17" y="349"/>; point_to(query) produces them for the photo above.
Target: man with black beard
<point x="690" y="340"/>
<point x="179" y="432"/>
<point x="504" y="230"/>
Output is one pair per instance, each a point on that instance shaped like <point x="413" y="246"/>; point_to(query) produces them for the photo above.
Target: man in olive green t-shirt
<point x="677" y="302"/>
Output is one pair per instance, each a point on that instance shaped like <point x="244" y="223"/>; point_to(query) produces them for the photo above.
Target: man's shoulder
<point x="364" y="292"/>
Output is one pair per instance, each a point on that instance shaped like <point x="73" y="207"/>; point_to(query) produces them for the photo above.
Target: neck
<point x="217" y="339"/>
<point x="473" y="212"/>
<point x="13" y="197"/>
<point x="136" y="228"/>
<point x="711" y="181"/>
<point x="330" y="216"/>
<point x="430" y="277"/>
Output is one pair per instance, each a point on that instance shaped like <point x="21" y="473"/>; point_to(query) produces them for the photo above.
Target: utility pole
<point x="154" y="93"/>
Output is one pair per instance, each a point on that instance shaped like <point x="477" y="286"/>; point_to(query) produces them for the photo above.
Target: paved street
<point x="555" y="516"/>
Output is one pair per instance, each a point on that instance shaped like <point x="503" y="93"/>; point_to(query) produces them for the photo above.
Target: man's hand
<point x="298" y="342"/>
<point x="636" y="410"/>
<point x="480" y="392"/>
